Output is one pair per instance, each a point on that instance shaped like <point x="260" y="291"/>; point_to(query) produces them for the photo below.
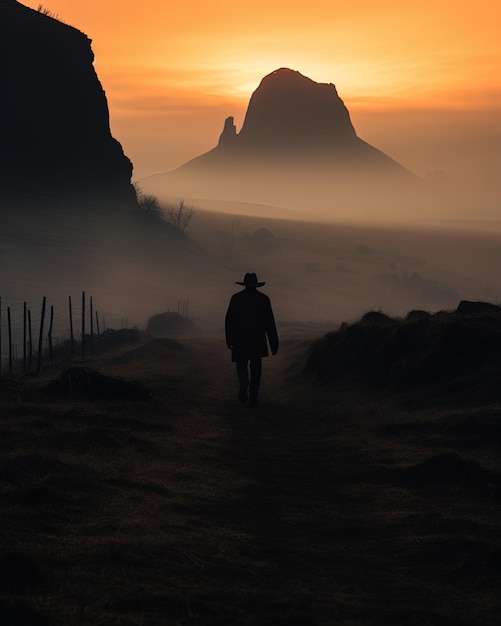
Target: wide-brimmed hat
<point x="250" y="280"/>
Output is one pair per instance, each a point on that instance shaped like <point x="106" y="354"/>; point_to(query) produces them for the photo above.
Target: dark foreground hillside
<point x="163" y="501"/>
<point x="455" y="354"/>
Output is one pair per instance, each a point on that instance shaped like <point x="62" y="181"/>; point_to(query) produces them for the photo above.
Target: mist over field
<point x="333" y="272"/>
<point x="315" y="271"/>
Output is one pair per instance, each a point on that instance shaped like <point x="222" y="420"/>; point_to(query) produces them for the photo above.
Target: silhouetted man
<point x="249" y="322"/>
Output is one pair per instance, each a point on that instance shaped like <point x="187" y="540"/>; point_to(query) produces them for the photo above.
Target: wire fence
<point x="27" y="333"/>
<point x="34" y="335"/>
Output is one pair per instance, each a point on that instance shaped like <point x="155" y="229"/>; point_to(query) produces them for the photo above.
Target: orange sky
<point x="421" y="79"/>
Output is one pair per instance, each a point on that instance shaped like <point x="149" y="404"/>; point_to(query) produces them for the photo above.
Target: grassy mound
<point x="84" y="383"/>
<point x="460" y="350"/>
<point x="169" y="323"/>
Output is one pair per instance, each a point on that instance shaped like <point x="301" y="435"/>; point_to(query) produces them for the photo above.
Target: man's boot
<point x="253" y="400"/>
<point x="242" y="393"/>
<point x="255" y="382"/>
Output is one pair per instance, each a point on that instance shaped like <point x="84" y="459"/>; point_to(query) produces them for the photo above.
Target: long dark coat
<point x="249" y="321"/>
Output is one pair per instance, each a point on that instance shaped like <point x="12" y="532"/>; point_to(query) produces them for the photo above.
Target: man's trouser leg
<point x="243" y="379"/>
<point x="255" y="380"/>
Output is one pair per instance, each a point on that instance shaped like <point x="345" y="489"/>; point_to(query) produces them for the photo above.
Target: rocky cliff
<point x="56" y="139"/>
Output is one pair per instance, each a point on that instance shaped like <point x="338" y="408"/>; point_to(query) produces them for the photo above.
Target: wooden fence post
<point x="91" y="316"/>
<point x="40" y="337"/>
<point x="10" y="340"/>
<point x="0" y="337"/>
<point x="24" y="338"/>
<point x="83" y="325"/>
<point x="49" y="334"/>
<point x="72" y="339"/>
<point x="30" y="353"/>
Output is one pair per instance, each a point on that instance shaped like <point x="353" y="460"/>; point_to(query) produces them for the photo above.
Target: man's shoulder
<point x="237" y="295"/>
<point x="258" y="295"/>
<point x="245" y="295"/>
<point x="236" y="298"/>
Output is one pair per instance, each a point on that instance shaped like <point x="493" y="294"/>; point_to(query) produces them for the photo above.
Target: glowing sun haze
<point x="420" y="78"/>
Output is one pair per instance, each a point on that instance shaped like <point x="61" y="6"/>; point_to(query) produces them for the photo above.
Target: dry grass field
<point x="329" y="504"/>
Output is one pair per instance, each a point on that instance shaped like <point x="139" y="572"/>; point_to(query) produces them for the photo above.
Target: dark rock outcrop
<point x="297" y="147"/>
<point x="56" y="139"/>
<point x="290" y="112"/>
<point x="466" y="307"/>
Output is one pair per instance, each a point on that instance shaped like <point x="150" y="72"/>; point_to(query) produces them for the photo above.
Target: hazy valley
<point x="315" y="272"/>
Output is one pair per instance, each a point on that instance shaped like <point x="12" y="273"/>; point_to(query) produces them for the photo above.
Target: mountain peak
<point x="297" y="146"/>
<point x="291" y="111"/>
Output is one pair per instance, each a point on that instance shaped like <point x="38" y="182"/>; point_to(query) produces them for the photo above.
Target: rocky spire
<point x="229" y="134"/>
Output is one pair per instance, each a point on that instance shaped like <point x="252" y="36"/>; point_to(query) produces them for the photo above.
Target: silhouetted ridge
<point x="56" y="138"/>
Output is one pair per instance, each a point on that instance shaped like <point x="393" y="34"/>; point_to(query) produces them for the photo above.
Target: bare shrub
<point x="181" y="216"/>
<point x="148" y="203"/>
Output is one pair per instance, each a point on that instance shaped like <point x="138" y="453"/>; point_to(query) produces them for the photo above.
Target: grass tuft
<point x="84" y="383"/>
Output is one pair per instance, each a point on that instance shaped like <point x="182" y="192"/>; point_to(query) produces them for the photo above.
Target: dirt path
<point x="275" y="505"/>
<point x="303" y="528"/>
<point x="318" y="530"/>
